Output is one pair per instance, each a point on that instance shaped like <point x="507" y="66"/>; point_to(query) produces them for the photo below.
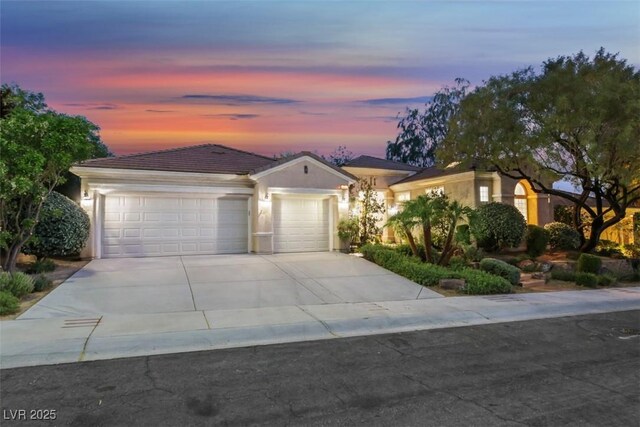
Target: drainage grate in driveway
<point x="81" y="323"/>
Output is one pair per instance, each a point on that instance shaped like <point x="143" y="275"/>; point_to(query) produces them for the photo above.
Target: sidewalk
<point x="61" y="340"/>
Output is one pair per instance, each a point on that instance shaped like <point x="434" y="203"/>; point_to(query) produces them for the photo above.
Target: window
<point x="520" y="200"/>
<point x="403" y="197"/>
<point x="484" y="193"/>
<point x="434" y="191"/>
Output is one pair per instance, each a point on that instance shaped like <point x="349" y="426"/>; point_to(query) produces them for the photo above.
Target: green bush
<point x="562" y="236"/>
<point x="606" y="280"/>
<point x="463" y="235"/>
<point x="41" y="266"/>
<point x="17" y="284"/>
<point x="565" y="275"/>
<point x="563" y="214"/>
<point x="8" y="303"/>
<point x="63" y="228"/>
<point x="609" y="248"/>
<point x="497" y="225"/>
<point x="477" y="282"/>
<point x="348" y="230"/>
<point x="483" y="283"/>
<point x="588" y="280"/>
<point x="41" y="282"/>
<point x="458" y="263"/>
<point x="537" y="240"/>
<point x="631" y="250"/>
<point x="472" y="254"/>
<point x="588" y="264"/>
<point x="502" y="269"/>
<point x="405" y="249"/>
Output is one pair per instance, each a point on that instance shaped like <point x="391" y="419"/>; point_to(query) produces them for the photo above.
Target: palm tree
<point x="426" y="209"/>
<point x="402" y="223"/>
<point x="454" y="212"/>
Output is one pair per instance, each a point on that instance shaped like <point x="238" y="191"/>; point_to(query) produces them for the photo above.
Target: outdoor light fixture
<point x="85" y="195"/>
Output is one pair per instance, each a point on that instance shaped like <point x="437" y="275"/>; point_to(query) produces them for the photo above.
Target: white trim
<point x="305" y="191"/>
<point x="331" y="225"/>
<point x="99" y="222"/>
<point x="299" y="160"/>
<point x="108" y="188"/>
<point x="87" y="171"/>
<point x="249" y="225"/>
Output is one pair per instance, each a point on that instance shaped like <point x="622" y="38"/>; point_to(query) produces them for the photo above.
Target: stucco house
<point x="211" y="199"/>
<point x="398" y="182"/>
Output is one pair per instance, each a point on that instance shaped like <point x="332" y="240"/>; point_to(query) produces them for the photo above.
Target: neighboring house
<point x="398" y="182"/>
<point x="211" y="199"/>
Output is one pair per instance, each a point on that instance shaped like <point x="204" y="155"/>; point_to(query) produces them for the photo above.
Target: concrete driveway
<point x="222" y="282"/>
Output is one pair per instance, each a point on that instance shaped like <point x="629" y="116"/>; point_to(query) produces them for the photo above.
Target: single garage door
<point x="143" y="225"/>
<point x="300" y="225"/>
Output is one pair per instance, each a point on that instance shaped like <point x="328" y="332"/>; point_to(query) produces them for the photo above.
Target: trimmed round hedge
<point x="562" y="236"/>
<point x="63" y="228"/>
<point x="497" y="225"/>
<point x="537" y="239"/>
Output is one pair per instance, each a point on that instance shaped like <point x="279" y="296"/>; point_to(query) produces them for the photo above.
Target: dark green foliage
<point x="562" y="236"/>
<point x="370" y="211"/>
<point x="588" y="280"/>
<point x="606" y="280"/>
<point x="502" y="269"/>
<point x="631" y="250"/>
<point x="609" y="248"/>
<point x="472" y="254"/>
<point x="17" y="284"/>
<point x="458" y="263"/>
<point x="63" y="228"/>
<point x="565" y="275"/>
<point x="589" y="264"/>
<point x="41" y="266"/>
<point x="477" y="282"/>
<point x="348" y="230"/>
<point x="537" y="240"/>
<point x="8" y="303"/>
<point x="41" y="282"/>
<point x="463" y="235"/>
<point x="405" y="250"/>
<point x="563" y="214"/>
<point x="498" y="225"/>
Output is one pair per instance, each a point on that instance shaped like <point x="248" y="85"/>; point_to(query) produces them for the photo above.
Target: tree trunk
<point x="447" y="251"/>
<point x="412" y="243"/>
<point x="426" y="231"/>
<point x="12" y="257"/>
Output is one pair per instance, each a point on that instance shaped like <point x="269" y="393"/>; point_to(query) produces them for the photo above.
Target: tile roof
<point x="302" y="154"/>
<point x="377" y="163"/>
<point x="206" y="158"/>
<point x="435" y="172"/>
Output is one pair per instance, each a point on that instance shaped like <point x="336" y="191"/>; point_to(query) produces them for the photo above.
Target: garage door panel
<point x="300" y="225"/>
<point x="155" y="226"/>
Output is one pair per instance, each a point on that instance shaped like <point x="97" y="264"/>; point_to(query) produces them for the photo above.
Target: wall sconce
<point x="266" y="196"/>
<point x="86" y="195"/>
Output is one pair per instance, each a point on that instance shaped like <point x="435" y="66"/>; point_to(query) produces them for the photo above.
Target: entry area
<point x="137" y="225"/>
<point x="222" y="282"/>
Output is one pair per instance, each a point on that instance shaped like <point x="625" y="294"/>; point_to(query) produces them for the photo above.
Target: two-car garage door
<point x="144" y="225"/>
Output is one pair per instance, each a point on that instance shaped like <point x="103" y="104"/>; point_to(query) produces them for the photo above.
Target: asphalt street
<point x="582" y="370"/>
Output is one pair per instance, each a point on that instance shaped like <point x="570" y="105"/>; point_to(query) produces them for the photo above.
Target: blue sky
<point x="274" y="76"/>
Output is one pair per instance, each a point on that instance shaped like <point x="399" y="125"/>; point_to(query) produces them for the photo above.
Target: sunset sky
<point x="275" y="76"/>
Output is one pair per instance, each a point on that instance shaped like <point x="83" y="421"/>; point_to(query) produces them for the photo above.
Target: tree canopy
<point x="577" y="119"/>
<point x="37" y="148"/>
<point x="421" y="132"/>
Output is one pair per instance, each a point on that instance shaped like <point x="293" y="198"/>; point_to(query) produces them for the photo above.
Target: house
<point x="397" y="182"/>
<point x="211" y="199"/>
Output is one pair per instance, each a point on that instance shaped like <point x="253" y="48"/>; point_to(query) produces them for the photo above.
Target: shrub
<point x="477" y="282"/>
<point x="562" y="236"/>
<point x="472" y="254"/>
<point x="609" y="248"/>
<point x="496" y="225"/>
<point x="537" y="240"/>
<point x="41" y="282"/>
<point x="458" y="263"/>
<point x="483" y="283"/>
<point x="565" y="275"/>
<point x="502" y="269"/>
<point x="17" y="284"/>
<point x="348" y="230"/>
<point x="563" y="214"/>
<point x="631" y="250"/>
<point x="588" y="280"/>
<point x="606" y="280"/>
<point x="405" y="249"/>
<point x="63" y="228"/>
<point x="463" y="235"/>
<point x="41" y="266"/>
<point x="588" y="264"/>
<point x="8" y="303"/>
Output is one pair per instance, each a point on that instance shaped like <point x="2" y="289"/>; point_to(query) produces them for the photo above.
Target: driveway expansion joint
<point x="193" y="299"/>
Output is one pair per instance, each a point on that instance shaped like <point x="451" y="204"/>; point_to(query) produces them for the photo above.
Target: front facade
<point x="211" y="199"/>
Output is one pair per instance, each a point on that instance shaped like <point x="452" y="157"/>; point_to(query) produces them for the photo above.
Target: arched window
<point x="520" y="200"/>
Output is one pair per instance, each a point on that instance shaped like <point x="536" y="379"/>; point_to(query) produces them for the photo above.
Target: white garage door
<point x="300" y="225"/>
<point x="142" y="225"/>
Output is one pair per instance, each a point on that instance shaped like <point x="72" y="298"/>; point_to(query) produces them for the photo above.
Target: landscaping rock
<point x="618" y="267"/>
<point x="527" y="263"/>
<point x="454" y="284"/>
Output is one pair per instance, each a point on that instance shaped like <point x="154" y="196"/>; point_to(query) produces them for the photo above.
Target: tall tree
<point x="578" y="119"/>
<point x="37" y="147"/>
<point x="369" y="210"/>
<point x="421" y="132"/>
<point x="341" y="156"/>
